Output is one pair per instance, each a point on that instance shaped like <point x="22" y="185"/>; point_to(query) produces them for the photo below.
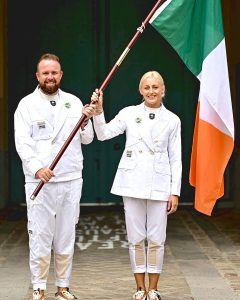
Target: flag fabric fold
<point x="195" y="30"/>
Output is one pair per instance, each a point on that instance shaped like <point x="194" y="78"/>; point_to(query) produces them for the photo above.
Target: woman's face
<point x="152" y="89"/>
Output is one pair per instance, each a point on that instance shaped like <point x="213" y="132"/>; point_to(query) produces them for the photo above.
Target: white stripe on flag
<point x="159" y="10"/>
<point x="216" y="107"/>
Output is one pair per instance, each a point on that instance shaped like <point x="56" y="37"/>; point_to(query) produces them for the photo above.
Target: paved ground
<point x="202" y="260"/>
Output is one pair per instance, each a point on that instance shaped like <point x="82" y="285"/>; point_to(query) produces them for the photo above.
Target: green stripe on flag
<point x="193" y="28"/>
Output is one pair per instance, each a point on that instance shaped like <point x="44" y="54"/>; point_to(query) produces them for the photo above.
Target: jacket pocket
<point x="162" y="169"/>
<point x="41" y="130"/>
<point x="127" y="164"/>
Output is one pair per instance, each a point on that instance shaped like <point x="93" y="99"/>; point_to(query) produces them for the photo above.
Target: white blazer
<point x="151" y="164"/>
<point x="39" y="136"/>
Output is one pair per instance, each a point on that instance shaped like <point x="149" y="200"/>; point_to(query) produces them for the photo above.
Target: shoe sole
<point x="145" y="298"/>
<point x="57" y="298"/>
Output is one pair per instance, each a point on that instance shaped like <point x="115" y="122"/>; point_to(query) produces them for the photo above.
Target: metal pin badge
<point x="151" y="116"/>
<point x="53" y="103"/>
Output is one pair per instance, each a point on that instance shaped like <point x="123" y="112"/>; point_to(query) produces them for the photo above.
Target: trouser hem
<point x="41" y="286"/>
<point x="62" y="283"/>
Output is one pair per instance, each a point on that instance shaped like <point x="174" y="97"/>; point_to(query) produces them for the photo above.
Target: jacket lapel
<point x="61" y="113"/>
<point x="143" y="128"/>
<point x="160" y="124"/>
<point x="41" y="106"/>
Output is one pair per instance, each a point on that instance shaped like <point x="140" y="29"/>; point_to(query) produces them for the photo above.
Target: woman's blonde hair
<point x="154" y="74"/>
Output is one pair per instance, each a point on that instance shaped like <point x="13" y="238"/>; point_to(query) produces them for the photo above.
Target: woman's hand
<point x="97" y="99"/>
<point x="172" y="204"/>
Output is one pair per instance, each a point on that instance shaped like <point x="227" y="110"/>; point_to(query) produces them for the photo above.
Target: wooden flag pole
<point x="102" y="87"/>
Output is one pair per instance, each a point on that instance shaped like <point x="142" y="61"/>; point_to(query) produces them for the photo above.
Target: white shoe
<point x="140" y="295"/>
<point x="154" y="295"/>
<point x="38" y="295"/>
<point x="64" y="295"/>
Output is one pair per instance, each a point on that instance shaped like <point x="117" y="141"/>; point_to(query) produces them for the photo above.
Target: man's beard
<point x="52" y="89"/>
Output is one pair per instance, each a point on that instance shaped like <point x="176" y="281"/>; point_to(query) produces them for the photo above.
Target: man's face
<point x="49" y="76"/>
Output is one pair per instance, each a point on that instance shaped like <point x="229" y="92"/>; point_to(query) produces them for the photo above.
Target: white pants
<point x="146" y="220"/>
<point x="52" y="219"/>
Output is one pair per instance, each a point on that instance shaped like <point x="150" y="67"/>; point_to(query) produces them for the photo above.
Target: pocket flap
<point x="162" y="168"/>
<point x="127" y="164"/>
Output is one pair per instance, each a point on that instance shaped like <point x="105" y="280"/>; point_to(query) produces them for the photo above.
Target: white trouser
<point x="52" y="219"/>
<point x="146" y="220"/>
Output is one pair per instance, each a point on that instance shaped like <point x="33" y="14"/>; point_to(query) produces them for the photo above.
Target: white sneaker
<point x="140" y="295"/>
<point x="64" y="295"/>
<point x="154" y="295"/>
<point x="38" y="295"/>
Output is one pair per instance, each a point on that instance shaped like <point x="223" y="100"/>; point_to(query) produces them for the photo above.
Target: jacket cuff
<point x="99" y="119"/>
<point x="34" y="167"/>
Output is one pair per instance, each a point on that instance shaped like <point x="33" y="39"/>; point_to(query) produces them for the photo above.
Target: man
<point x="43" y="121"/>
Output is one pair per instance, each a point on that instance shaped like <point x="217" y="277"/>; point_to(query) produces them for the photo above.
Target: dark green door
<point x="89" y="36"/>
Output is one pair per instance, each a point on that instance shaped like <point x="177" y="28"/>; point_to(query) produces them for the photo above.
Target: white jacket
<point x="39" y="138"/>
<point x="151" y="164"/>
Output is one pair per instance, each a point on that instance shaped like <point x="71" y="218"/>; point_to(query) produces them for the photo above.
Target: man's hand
<point x="44" y="174"/>
<point x="172" y="204"/>
<point x="89" y="110"/>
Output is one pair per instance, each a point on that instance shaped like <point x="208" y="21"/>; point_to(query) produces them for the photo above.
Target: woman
<point x="148" y="176"/>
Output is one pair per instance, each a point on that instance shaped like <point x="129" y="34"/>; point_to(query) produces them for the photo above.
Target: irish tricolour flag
<point x="194" y="28"/>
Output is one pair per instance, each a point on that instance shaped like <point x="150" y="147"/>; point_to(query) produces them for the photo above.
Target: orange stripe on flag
<point x="211" y="151"/>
